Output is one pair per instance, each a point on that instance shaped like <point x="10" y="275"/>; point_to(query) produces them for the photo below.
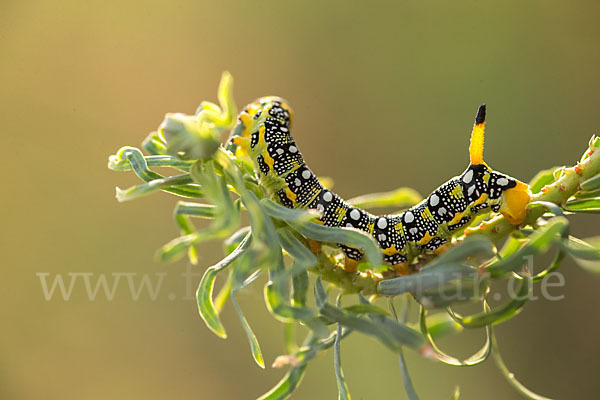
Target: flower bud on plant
<point x="189" y="137"/>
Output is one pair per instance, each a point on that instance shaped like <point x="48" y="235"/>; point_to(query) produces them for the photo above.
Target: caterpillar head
<point x="246" y="134"/>
<point x="269" y="106"/>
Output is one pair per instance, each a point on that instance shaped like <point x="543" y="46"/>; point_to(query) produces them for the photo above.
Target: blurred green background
<point x="384" y="96"/>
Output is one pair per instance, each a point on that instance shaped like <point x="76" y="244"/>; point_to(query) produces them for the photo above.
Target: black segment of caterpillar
<point x="263" y="133"/>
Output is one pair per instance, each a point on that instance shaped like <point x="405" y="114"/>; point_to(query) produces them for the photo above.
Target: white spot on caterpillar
<point x="349" y="225"/>
<point x="382" y="223"/>
<point x="279" y="151"/>
<point x="293" y="149"/>
<point x="442" y="211"/>
<point x="320" y="208"/>
<point x="328" y="197"/>
<point x="284" y="129"/>
<point x="434" y="200"/>
<point x="413" y="231"/>
<point x="468" y="176"/>
<point x="298" y="182"/>
<point x="409" y="217"/>
<point x="382" y="237"/>
<point x="306" y="174"/>
<point x="502" y="181"/>
<point x="355" y="214"/>
<point x="470" y="190"/>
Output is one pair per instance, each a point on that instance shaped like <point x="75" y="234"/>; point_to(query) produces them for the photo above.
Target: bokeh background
<point x="384" y="94"/>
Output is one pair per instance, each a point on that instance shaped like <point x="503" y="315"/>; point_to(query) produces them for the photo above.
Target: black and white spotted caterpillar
<point x="264" y="134"/>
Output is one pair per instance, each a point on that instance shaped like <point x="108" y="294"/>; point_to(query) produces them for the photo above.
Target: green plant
<point x="275" y="243"/>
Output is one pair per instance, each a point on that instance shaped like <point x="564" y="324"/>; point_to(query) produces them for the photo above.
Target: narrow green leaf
<point x="343" y="392"/>
<point x="285" y="312"/>
<point x="399" y="198"/>
<point x="177" y="247"/>
<point x="135" y="159"/>
<point x="441" y="324"/>
<point x="558" y="258"/>
<point x="184" y="222"/>
<point x="501" y="313"/>
<point x="302" y="256"/>
<point x="195" y="209"/>
<point x="225" y="95"/>
<point x="206" y="306"/>
<point x="411" y="393"/>
<point x="320" y="294"/>
<point x="204" y="293"/>
<point x="425" y="279"/>
<point x="510" y="377"/>
<point x="386" y="330"/>
<point x="590" y="206"/>
<point x="587" y="249"/>
<point x="184" y="210"/>
<point x="541" y="179"/>
<point x="262" y="225"/>
<point x="178" y="184"/>
<point x="366" y="309"/>
<point x="300" y="283"/>
<point x="277" y="290"/>
<point x="587" y="195"/>
<point x="409" y="388"/>
<point x="118" y="164"/>
<point x="254" y="346"/>
<point x="154" y="144"/>
<point x="226" y="214"/>
<point x="468" y="289"/>
<point x="232" y="241"/>
<point x="560" y="255"/>
<point x="476" y="245"/>
<point x="512" y="245"/>
<point x="591" y="184"/>
<point x="585" y="253"/>
<point x="289" y="337"/>
<point x="553" y="208"/>
<point x="248" y="268"/>
<point x="287" y="214"/>
<point x="539" y="242"/>
<point x="318" y="345"/>
<point x="224" y="293"/>
<point x="287" y="385"/>
<point x="215" y="189"/>
<point x="169" y="161"/>
<point x="477" y="358"/>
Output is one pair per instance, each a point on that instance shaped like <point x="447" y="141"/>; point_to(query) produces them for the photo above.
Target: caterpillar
<point x="263" y="133"/>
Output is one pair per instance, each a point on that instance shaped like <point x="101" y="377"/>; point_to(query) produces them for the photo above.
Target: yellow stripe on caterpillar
<point x="290" y="195"/>
<point x="426" y="239"/>
<point x="457" y="218"/>
<point x="269" y="160"/>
